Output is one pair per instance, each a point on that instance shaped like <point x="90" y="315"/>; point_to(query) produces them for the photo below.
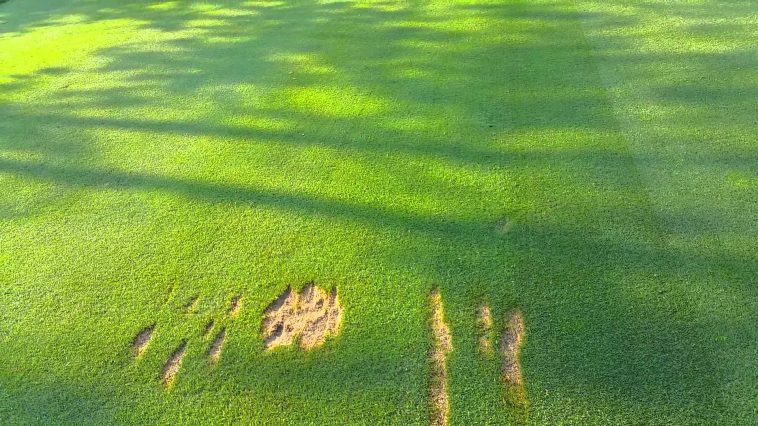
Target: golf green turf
<point x="591" y="164"/>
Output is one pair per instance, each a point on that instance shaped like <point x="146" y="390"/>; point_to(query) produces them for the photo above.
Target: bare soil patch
<point x="208" y="328"/>
<point x="235" y="305"/>
<point x="174" y="362"/>
<point x="510" y="347"/>
<point x="484" y="328"/>
<point x="442" y="344"/>
<point x="215" y="351"/>
<point x="142" y="340"/>
<point x="306" y="318"/>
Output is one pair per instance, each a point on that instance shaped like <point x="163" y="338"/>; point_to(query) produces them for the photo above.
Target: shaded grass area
<point x="155" y="152"/>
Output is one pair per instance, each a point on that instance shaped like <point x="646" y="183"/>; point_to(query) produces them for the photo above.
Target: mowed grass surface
<point x="591" y="164"/>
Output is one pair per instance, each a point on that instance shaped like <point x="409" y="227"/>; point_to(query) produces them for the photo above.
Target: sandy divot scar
<point x="306" y="318"/>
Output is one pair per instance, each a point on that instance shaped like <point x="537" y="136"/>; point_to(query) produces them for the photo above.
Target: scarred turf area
<point x="169" y="169"/>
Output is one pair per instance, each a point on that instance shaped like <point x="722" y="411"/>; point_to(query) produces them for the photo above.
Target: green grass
<point x="152" y="152"/>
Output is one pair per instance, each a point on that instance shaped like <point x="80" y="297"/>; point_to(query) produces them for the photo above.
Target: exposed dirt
<point x="215" y="351"/>
<point x="307" y="317"/>
<point x="510" y="347"/>
<point x="208" y="328"/>
<point x="141" y="340"/>
<point x="442" y="344"/>
<point x="484" y="328"/>
<point x="235" y="305"/>
<point x="174" y="362"/>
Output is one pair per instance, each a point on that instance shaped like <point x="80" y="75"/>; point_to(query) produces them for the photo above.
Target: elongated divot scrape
<point x="215" y="351"/>
<point x="307" y="317"/>
<point x="142" y="340"/>
<point x="235" y="305"/>
<point x="510" y="347"/>
<point x="439" y="401"/>
<point x="208" y="328"/>
<point x="174" y="362"/>
<point x="484" y="329"/>
<point x="191" y="305"/>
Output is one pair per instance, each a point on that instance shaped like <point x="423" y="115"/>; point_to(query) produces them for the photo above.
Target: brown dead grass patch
<point x="142" y="340"/>
<point x="510" y="347"/>
<point x="215" y="351"/>
<point x="484" y="328"/>
<point x="307" y="317"/>
<point x="174" y="362"/>
<point x="442" y="344"/>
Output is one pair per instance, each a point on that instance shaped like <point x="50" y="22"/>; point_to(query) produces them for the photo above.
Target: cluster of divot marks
<point x="509" y="347"/>
<point x="305" y="318"/>
<point x="173" y="363"/>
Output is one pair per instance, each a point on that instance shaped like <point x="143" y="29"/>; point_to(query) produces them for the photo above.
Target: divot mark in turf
<point x="484" y="328"/>
<point x="503" y="226"/>
<point x="235" y="305"/>
<point x="142" y="340"/>
<point x="174" y="362"/>
<point x="208" y="328"/>
<point x="307" y="317"/>
<point x="215" y="351"/>
<point x="191" y="305"/>
<point x="510" y="347"/>
<point x="442" y="345"/>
